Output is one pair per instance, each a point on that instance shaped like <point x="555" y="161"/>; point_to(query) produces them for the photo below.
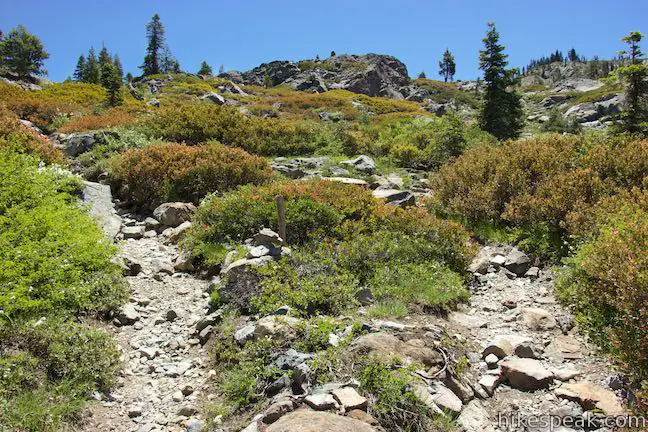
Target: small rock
<point x="149" y="353"/>
<point x="517" y="262"/>
<point x="491" y="361"/>
<point x="187" y="411"/>
<point x="244" y="334"/>
<point x="591" y="396"/>
<point x="349" y="398"/>
<point x="133" y="232"/>
<point x="446" y="399"/>
<point x="567" y="372"/>
<point x="527" y="350"/>
<point x="526" y="374"/>
<point x="362" y="416"/>
<point x="277" y="410"/>
<point x="538" y="319"/>
<point x="177" y="396"/>
<point x="321" y="401"/>
<point x="490" y="383"/>
<point x="171" y="315"/>
<point x="533" y="273"/>
<point x="503" y="345"/>
<point x="128" y="315"/>
<point x="134" y="411"/>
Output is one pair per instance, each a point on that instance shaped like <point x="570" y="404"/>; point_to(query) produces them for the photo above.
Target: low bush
<point x="176" y="172"/>
<point x="606" y="283"/>
<point x="55" y="265"/>
<point x="22" y="139"/>
<point x="202" y="122"/>
<point x="340" y="237"/>
<point x="111" y="118"/>
<point x="538" y="184"/>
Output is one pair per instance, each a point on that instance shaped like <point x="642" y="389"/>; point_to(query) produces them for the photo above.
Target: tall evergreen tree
<point x="112" y="82"/>
<point x="205" y="69"/>
<point x="93" y="70"/>
<point x="156" y="47"/>
<point x="447" y="66"/>
<point x="221" y="69"/>
<point x="634" y="118"/>
<point x="80" y="70"/>
<point x="23" y="53"/>
<point x="104" y="57"/>
<point x="501" y="113"/>
<point x="572" y="56"/>
<point x="422" y="75"/>
<point x="118" y="66"/>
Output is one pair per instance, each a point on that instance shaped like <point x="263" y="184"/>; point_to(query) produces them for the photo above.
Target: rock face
<point x="526" y="374"/>
<point x="592" y="111"/>
<point x="370" y="74"/>
<point x="102" y="207"/>
<point x="313" y="421"/>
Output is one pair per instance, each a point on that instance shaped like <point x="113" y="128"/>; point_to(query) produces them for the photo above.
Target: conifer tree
<point x="112" y="82"/>
<point x="93" y="70"/>
<point x="422" y="75"/>
<point x="221" y="69"/>
<point x="205" y="69"/>
<point x="104" y="57"/>
<point x="501" y="113"/>
<point x="22" y="53"/>
<point x="80" y="70"/>
<point x="447" y="66"/>
<point x="156" y="47"/>
<point x="118" y="66"/>
<point x="634" y="119"/>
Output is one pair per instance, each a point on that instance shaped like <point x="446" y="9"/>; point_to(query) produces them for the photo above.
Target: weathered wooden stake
<point x="281" y="217"/>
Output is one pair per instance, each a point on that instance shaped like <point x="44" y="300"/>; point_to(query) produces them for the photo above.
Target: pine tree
<point x="118" y="66"/>
<point x="221" y="69"/>
<point x="112" y="82"/>
<point x="205" y="69"/>
<point x="572" y="56"/>
<point x="23" y="53"/>
<point x="129" y="77"/>
<point x="80" y="70"/>
<point x="501" y="113"/>
<point x="422" y="75"/>
<point x="93" y="70"/>
<point x="634" y="119"/>
<point x="104" y="57"/>
<point x="155" y="49"/>
<point x="447" y="66"/>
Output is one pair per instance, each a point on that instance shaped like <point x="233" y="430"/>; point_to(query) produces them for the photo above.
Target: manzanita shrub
<point x="177" y="172"/>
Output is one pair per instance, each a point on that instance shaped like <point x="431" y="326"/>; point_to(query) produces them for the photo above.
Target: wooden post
<point x="281" y="217"/>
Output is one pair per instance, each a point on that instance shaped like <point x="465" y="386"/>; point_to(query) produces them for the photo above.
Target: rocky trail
<point x="159" y="333"/>
<point x="526" y="357"/>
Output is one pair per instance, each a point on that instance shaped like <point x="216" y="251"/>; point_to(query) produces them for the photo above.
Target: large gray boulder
<point x="361" y="163"/>
<point x="526" y="374"/>
<point x="78" y="143"/>
<point x="275" y="72"/>
<point x="173" y="214"/>
<point x="372" y="74"/>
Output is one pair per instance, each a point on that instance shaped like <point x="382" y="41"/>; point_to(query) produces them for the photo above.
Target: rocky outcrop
<point x="77" y="143"/>
<point x="370" y="74"/>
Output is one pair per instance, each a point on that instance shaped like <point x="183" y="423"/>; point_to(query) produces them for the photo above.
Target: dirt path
<point x="163" y="372"/>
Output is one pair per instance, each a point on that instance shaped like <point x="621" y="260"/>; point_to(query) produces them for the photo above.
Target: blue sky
<point x="243" y="34"/>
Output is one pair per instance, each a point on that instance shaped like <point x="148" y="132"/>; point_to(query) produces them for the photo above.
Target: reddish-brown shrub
<point x="176" y="172"/>
<point x="26" y="140"/>
<point x="111" y="118"/>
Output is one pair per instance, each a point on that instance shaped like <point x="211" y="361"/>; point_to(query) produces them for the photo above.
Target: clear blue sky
<point x="243" y="34"/>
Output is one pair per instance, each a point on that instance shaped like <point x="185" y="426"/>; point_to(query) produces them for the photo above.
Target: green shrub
<point x="311" y="283"/>
<point x="53" y="257"/>
<point x="606" y="283"/>
<point x="538" y="184"/>
<point x="557" y="123"/>
<point x="198" y="123"/>
<point x="429" y="285"/>
<point x="394" y="404"/>
<point x="176" y="172"/>
<point x="19" y="138"/>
